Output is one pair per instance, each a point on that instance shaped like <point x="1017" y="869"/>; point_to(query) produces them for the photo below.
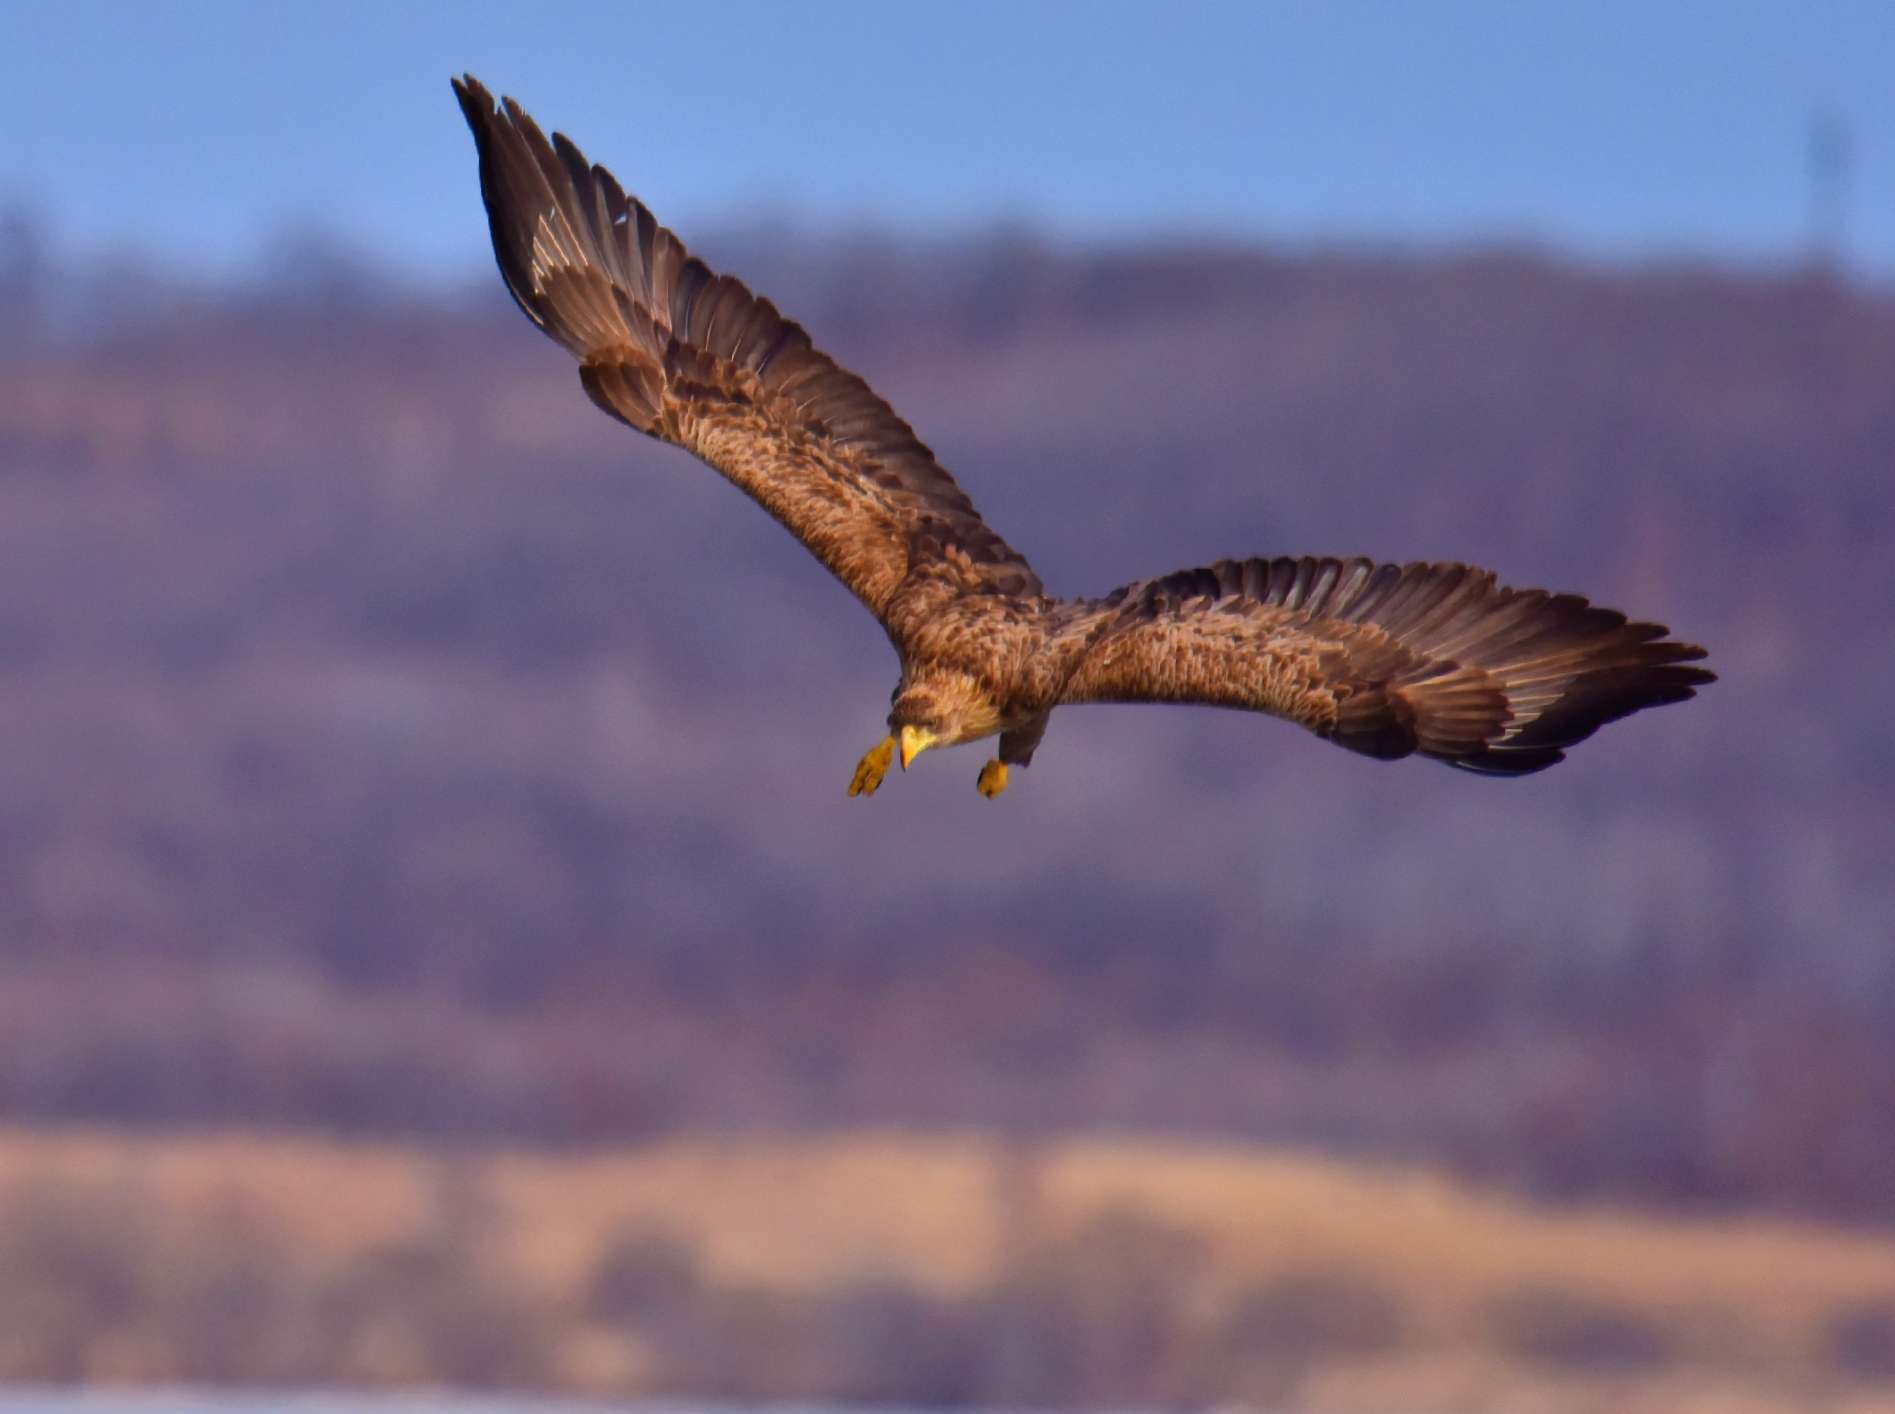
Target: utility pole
<point x="1831" y="155"/>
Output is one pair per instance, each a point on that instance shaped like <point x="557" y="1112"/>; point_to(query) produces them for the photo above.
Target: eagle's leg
<point x="872" y="767"/>
<point x="1016" y="749"/>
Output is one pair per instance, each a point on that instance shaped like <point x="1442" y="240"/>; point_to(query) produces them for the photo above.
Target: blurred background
<point x="435" y="946"/>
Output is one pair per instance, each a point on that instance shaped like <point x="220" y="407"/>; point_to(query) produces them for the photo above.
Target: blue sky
<point x="1619" y="131"/>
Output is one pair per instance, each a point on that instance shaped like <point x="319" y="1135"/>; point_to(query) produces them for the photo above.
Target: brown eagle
<point x="1386" y="660"/>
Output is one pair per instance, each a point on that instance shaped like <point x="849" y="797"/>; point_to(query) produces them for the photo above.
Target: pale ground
<point x="1745" y="1307"/>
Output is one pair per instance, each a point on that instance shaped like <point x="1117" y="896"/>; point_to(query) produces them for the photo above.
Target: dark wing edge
<point x="692" y="357"/>
<point x="1385" y="660"/>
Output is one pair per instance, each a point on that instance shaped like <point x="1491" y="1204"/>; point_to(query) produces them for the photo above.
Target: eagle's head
<point x="941" y="708"/>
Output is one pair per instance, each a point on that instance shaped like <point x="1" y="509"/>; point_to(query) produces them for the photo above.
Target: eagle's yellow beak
<point x="914" y="741"/>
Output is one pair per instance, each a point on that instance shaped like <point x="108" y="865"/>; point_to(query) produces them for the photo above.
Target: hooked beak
<point x="914" y="741"/>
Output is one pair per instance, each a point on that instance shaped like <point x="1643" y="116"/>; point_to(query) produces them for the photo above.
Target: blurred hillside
<point x="397" y="745"/>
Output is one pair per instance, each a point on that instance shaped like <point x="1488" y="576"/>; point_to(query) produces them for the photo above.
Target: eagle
<point x="1386" y="660"/>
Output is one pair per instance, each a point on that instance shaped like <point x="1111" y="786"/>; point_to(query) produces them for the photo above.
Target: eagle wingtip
<point x="477" y="104"/>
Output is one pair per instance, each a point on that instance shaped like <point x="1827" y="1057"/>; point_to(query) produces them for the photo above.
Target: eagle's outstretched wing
<point x="694" y="358"/>
<point x="1383" y="659"/>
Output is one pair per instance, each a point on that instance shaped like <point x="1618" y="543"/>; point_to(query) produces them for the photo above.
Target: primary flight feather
<point x="1385" y="660"/>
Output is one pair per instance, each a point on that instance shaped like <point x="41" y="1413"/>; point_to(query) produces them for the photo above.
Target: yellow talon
<point x="870" y="770"/>
<point x="993" y="779"/>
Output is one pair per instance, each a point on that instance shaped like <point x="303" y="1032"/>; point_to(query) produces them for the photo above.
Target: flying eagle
<point x="1386" y="660"/>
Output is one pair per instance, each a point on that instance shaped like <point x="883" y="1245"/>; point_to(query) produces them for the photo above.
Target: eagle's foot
<point x="872" y="767"/>
<point x="993" y="779"/>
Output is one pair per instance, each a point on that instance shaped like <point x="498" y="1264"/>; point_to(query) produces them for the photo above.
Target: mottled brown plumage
<point x="1385" y="660"/>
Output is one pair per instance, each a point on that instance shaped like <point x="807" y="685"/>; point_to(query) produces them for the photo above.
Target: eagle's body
<point x="1385" y="660"/>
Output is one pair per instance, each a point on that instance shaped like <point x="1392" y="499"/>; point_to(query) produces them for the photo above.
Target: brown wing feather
<point x="1383" y="659"/>
<point x="694" y="358"/>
